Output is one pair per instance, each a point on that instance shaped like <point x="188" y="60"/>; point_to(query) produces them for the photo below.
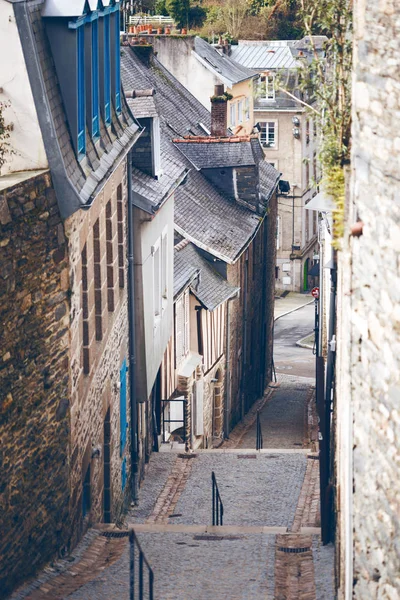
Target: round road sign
<point x="315" y="293"/>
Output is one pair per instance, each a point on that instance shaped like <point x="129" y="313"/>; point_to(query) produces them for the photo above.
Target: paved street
<point x="270" y="498"/>
<point x="289" y="329"/>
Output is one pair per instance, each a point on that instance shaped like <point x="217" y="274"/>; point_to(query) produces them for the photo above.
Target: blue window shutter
<point x="117" y="66"/>
<point x="107" y="71"/>
<point x="123" y="474"/>
<point x="122" y="406"/>
<point x="95" y="79"/>
<point x="81" y="89"/>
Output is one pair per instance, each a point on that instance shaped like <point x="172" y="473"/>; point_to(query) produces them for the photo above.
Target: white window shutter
<point x="187" y="325"/>
<point x="179" y="325"/>
<point x="156" y="147"/>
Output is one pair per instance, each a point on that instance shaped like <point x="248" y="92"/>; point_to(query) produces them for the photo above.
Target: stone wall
<point x="95" y="387"/>
<point x="34" y="379"/>
<point x="251" y="318"/>
<point x="373" y="288"/>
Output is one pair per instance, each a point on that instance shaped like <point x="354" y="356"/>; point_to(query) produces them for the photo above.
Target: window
<point x="86" y="499"/>
<point x="81" y="89"/>
<point x="233" y="114"/>
<point x="164" y="270"/>
<point x="266" y="87"/>
<point x="157" y="171"/>
<point x="247" y="109"/>
<point x="315" y="167"/>
<point x="278" y="232"/>
<point x="121" y="237"/>
<point x="110" y="255"/>
<point x="117" y="66"/>
<point x="268" y="134"/>
<point x="98" y="300"/>
<point x="123" y="425"/>
<point x="85" y="312"/>
<point x="307" y="131"/>
<point x="307" y="182"/>
<point x="107" y="71"/>
<point x="95" y="79"/>
<point x="182" y="331"/>
<point x="157" y="279"/>
<point x="240" y="111"/>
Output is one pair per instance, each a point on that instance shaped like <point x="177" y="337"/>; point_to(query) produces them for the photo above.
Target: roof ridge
<point x="197" y="139"/>
<point x="182" y="244"/>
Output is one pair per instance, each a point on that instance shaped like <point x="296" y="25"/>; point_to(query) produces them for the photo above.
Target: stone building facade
<point x="64" y="393"/>
<point x="34" y="398"/>
<point x="368" y="380"/>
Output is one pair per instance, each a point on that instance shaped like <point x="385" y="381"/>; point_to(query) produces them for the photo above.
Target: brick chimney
<point x="219" y="112"/>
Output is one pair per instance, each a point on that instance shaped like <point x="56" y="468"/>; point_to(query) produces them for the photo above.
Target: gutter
<point x="132" y="341"/>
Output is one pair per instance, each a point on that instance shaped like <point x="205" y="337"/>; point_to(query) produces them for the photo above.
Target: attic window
<point x="107" y="71"/>
<point x="117" y="65"/>
<point x="81" y="89"/>
<point x="95" y="80"/>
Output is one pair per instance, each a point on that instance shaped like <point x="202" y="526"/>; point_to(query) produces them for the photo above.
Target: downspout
<point x="132" y="348"/>
<point x="264" y="309"/>
<point x="328" y="530"/>
<point x="244" y="347"/>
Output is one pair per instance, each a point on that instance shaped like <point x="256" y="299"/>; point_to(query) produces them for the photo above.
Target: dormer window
<point x="117" y="65"/>
<point x="266" y="87"/>
<point x="84" y="39"/>
<point x="95" y="80"/>
<point x="81" y="89"/>
<point x="107" y="71"/>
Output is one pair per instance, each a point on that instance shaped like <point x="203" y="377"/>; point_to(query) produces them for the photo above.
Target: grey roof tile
<point x="202" y="214"/>
<point x="204" y="155"/>
<point x="210" y="288"/>
<point x="221" y="64"/>
<point x="143" y="107"/>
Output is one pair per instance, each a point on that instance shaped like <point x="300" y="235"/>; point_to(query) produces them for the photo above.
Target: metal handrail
<point x="259" y="440"/>
<point x="133" y="595"/>
<point x="217" y="506"/>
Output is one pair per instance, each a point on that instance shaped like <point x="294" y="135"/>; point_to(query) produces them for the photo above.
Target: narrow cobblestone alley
<point x="269" y="546"/>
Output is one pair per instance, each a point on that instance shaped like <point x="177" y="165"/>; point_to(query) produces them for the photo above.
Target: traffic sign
<point x="315" y="293"/>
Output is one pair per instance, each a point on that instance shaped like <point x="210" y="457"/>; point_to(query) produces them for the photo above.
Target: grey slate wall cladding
<point x="142" y="156"/>
<point x="222" y="179"/>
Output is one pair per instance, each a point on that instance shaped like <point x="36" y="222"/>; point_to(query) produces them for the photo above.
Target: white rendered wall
<point x="26" y="141"/>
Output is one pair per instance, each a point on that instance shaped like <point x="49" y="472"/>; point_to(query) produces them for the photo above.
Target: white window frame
<point x="157" y="303"/>
<point x="240" y="111"/>
<point x="232" y="114"/>
<point x="269" y="134"/>
<point x="266" y="87"/>
<point x="164" y="269"/>
<point x="247" y="109"/>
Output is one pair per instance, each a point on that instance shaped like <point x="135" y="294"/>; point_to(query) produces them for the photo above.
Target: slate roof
<point x="149" y="193"/>
<point x="217" y="155"/>
<point x="221" y="64"/>
<point x="143" y="107"/>
<point x="209" y="287"/>
<point x="76" y="184"/>
<point x="268" y="178"/>
<point x="202" y="214"/>
<point x="260" y="57"/>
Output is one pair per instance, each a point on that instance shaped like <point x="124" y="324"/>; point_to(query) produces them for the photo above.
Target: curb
<point x="293" y="310"/>
<point x="307" y="346"/>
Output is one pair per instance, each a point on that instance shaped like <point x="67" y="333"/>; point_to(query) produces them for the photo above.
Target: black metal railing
<point x="141" y="577"/>
<point x="165" y="421"/>
<point x="259" y="439"/>
<point x="217" y="506"/>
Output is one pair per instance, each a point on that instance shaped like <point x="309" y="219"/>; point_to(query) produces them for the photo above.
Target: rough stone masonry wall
<point x="247" y="325"/>
<point x="34" y="366"/>
<point x="375" y="300"/>
<point x="96" y="392"/>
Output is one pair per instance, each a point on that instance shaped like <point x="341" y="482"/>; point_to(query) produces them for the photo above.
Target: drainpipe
<point x="132" y="353"/>
<point x="244" y="347"/>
